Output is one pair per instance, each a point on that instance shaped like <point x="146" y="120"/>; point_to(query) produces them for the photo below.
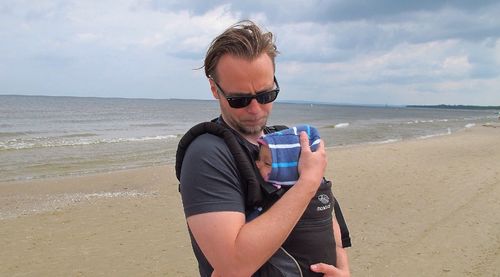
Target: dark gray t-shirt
<point x="209" y="178"/>
<point x="210" y="182"/>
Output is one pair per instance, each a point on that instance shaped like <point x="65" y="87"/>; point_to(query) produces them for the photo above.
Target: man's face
<point x="239" y="77"/>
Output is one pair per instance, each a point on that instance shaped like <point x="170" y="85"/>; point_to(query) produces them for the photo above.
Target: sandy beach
<point x="427" y="207"/>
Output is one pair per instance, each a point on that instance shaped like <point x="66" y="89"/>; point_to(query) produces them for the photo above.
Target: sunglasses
<point x="238" y="102"/>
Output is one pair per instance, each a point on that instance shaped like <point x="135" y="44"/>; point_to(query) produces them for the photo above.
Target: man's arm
<point x="236" y="248"/>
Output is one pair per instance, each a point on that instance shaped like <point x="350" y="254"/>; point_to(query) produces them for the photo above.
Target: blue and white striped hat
<point x="285" y="152"/>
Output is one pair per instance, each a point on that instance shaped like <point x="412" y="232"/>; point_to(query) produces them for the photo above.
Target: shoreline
<point x="163" y="164"/>
<point x="414" y="207"/>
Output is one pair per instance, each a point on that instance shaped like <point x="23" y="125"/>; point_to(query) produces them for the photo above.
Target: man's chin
<point x="245" y="130"/>
<point x="251" y="129"/>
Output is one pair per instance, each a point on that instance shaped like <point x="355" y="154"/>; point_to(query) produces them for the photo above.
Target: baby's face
<point x="265" y="161"/>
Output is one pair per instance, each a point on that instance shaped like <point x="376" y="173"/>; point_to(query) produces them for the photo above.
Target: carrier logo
<point x="324" y="199"/>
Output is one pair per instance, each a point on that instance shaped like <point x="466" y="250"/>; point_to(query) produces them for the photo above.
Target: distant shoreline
<point x="456" y="107"/>
<point x="284" y="101"/>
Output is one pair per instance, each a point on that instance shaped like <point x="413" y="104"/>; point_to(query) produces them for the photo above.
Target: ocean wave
<point x="19" y="144"/>
<point x="13" y="134"/>
<point x="426" y="121"/>
<point x="151" y="125"/>
<point x="138" y="139"/>
<point x="79" y="135"/>
<point x="385" y="141"/>
<point x="435" y="135"/>
<point x="79" y="121"/>
<point x="342" y="125"/>
<point x="470" y="125"/>
<point x="338" y="125"/>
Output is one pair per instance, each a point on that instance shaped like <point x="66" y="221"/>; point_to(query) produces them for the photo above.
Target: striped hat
<point x="285" y="152"/>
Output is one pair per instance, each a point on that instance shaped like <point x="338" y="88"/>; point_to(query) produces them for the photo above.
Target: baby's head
<point x="279" y="154"/>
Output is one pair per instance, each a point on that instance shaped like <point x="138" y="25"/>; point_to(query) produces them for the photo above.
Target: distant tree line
<point x="457" y="107"/>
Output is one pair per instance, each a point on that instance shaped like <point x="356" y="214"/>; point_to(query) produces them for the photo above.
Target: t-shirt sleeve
<point x="209" y="178"/>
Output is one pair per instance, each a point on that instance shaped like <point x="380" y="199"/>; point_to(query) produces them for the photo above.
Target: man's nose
<point x="254" y="106"/>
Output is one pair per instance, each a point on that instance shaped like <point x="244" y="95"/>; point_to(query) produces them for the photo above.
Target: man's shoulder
<point x="207" y="144"/>
<point x="207" y="141"/>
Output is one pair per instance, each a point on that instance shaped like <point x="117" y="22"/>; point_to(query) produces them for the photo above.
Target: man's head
<point x="240" y="64"/>
<point x="244" y="40"/>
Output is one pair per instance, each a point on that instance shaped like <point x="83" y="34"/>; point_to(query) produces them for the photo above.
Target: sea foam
<point x="342" y="125"/>
<point x="436" y="135"/>
<point x="44" y="142"/>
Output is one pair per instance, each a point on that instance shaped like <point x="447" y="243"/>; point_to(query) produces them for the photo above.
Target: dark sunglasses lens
<point x="262" y="98"/>
<point x="239" y="102"/>
<point x="267" y="97"/>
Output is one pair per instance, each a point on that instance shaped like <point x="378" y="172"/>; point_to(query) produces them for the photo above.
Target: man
<point x="240" y="68"/>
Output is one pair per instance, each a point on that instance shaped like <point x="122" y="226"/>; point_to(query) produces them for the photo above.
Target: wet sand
<point x="415" y="208"/>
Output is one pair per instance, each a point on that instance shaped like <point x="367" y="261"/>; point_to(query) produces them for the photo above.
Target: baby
<point x="279" y="154"/>
<point x="312" y="239"/>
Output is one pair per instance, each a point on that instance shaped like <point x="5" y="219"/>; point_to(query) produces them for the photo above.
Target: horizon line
<point x="287" y="101"/>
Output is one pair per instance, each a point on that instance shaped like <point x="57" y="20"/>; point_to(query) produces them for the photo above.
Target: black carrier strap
<point x="243" y="163"/>
<point x="296" y="255"/>
<point x="258" y="192"/>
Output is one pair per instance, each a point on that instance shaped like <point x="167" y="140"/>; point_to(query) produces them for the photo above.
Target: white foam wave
<point x="385" y="141"/>
<point x="125" y="194"/>
<point x="18" y="144"/>
<point x="470" y="125"/>
<point x="421" y="121"/>
<point x="136" y="139"/>
<point x="436" y="135"/>
<point x="33" y="205"/>
<point x="151" y="125"/>
<point x="342" y="125"/>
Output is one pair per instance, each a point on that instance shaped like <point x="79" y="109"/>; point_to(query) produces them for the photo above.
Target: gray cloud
<point x="336" y="51"/>
<point x="322" y="11"/>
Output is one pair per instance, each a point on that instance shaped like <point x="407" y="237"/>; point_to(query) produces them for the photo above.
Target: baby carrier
<point x="311" y="240"/>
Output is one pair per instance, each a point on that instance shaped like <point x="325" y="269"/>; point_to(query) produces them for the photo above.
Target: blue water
<point x="44" y="136"/>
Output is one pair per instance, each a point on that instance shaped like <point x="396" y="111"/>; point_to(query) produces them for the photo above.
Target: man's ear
<point x="213" y="88"/>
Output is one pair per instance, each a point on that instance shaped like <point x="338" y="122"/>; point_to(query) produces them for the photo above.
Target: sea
<point x="46" y="136"/>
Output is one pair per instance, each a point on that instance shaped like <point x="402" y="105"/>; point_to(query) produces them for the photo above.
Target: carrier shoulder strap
<point x="243" y="163"/>
<point x="257" y="194"/>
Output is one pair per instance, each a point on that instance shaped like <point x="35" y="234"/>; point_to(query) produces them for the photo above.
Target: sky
<point x="388" y="52"/>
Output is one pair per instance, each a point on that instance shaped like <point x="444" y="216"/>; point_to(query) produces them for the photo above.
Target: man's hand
<point x="311" y="164"/>
<point x="342" y="269"/>
<point x="329" y="270"/>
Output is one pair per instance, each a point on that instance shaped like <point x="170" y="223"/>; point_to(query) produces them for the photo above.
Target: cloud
<point x="346" y="39"/>
<point x="429" y="70"/>
<point x="92" y="49"/>
<point x="335" y="51"/>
